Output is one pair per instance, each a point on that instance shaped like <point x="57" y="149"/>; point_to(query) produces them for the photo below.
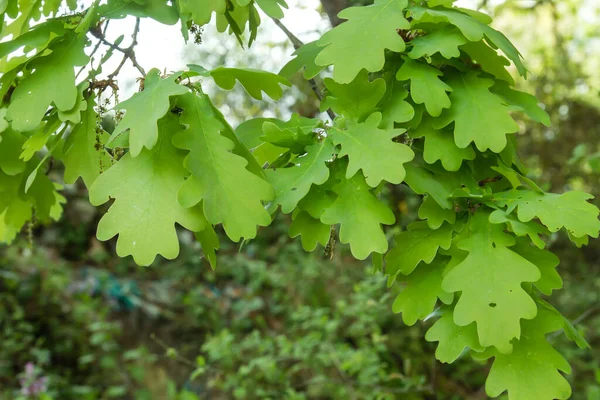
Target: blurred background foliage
<point x="273" y="322"/>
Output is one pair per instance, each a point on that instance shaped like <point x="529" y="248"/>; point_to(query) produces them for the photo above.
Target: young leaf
<point x="439" y="146"/>
<point x="145" y="108"/>
<point x="546" y="262"/>
<point x="209" y="241"/>
<point x="531" y="371"/>
<point x="10" y="148"/>
<point x="489" y="60"/>
<point x="393" y="106"/>
<point x="368" y="32"/>
<point x="254" y="81"/>
<point x="472" y="29"/>
<point x="522" y="101"/>
<point x="445" y="41"/>
<point x="273" y="8"/>
<point x="425" y="85"/>
<point x="479" y="115"/>
<point x="201" y="12"/>
<point x="53" y="81"/>
<point x="146" y="208"/>
<point x="74" y="115"/>
<point x="231" y="194"/>
<point x="295" y="138"/>
<point x="423" y="287"/>
<point x="355" y="100"/>
<point x="291" y="184"/>
<point x="305" y="57"/>
<point x="418" y="243"/>
<point x="84" y="154"/>
<point x="372" y="150"/>
<point x="311" y="230"/>
<point x="570" y="210"/>
<point x="490" y="280"/>
<point x="435" y="214"/>
<point x="453" y="339"/>
<point x="360" y="215"/>
<point x="531" y="228"/>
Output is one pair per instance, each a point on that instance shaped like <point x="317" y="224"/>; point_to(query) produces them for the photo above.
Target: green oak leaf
<point x="10" y="149"/>
<point x="439" y="146"/>
<point x="417" y="244"/>
<point x="273" y="8"/>
<point x="445" y="41"/>
<point x="452" y="339"/>
<point x="37" y="38"/>
<point x="291" y="184"/>
<point x="489" y="60"/>
<point x="310" y="229"/>
<point x="145" y="108"/>
<point x="254" y="81"/>
<point x="367" y="33"/>
<point x="7" y="231"/>
<point x="439" y="186"/>
<point x="472" y="28"/>
<point x="84" y="155"/>
<point x="490" y="279"/>
<point x="319" y="198"/>
<point x="52" y="82"/>
<point x="355" y="100"/>
<point x="41" y="137"/>
<point x="531" y="371"/>
<point x="522" y="101"/>
<point x="435" y="3"/>
<point x="393" y="106"/>
<point x="209" y="241"/>
<point x="546" y="262"/>
<point x="360" y="215"/>
<point x="230" y="194"/>
<point x="531" y="228"/>
<point x="372" y="150"/>
<point x="252" y="135"/>
<point x="479" y="115"/>
<point x="435" y="214"/>
<point x="74" y="115"/>
<point x="159" y="10"/>
<point x="305" y="57"/>
<point x="3" y="122"/>
<point x="146" y="209"/>
<point x="293" y="137"/>
<point x="423" y="287"/>
<point x="570" y="210"/>
<point x="425" y="85"/>
<point x="14" y="203"/>
<point x="201" y="11"/>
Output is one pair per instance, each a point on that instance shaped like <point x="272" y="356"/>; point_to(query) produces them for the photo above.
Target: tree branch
<point x="297" y="43"/>
<point x="128" y="53"/>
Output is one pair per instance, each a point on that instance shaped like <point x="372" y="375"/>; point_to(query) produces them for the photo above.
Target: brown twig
<point x="103" y="32"/>
<point x="128" y="53"/>
<point x="297" y="43"/>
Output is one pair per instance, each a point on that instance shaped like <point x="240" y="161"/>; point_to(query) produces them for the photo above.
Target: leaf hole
<point x="493" y="305"/>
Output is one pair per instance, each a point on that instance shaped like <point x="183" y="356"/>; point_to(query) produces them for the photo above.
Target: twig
<point x="95" y="48"/>
<point x="168" y="349"/>
<point x="297" y="43"/>
<point x="128" y="53"/>
<point x="293" y="38"/>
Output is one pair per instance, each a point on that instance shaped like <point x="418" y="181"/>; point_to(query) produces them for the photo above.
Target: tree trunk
<point x="332" y="8"/>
